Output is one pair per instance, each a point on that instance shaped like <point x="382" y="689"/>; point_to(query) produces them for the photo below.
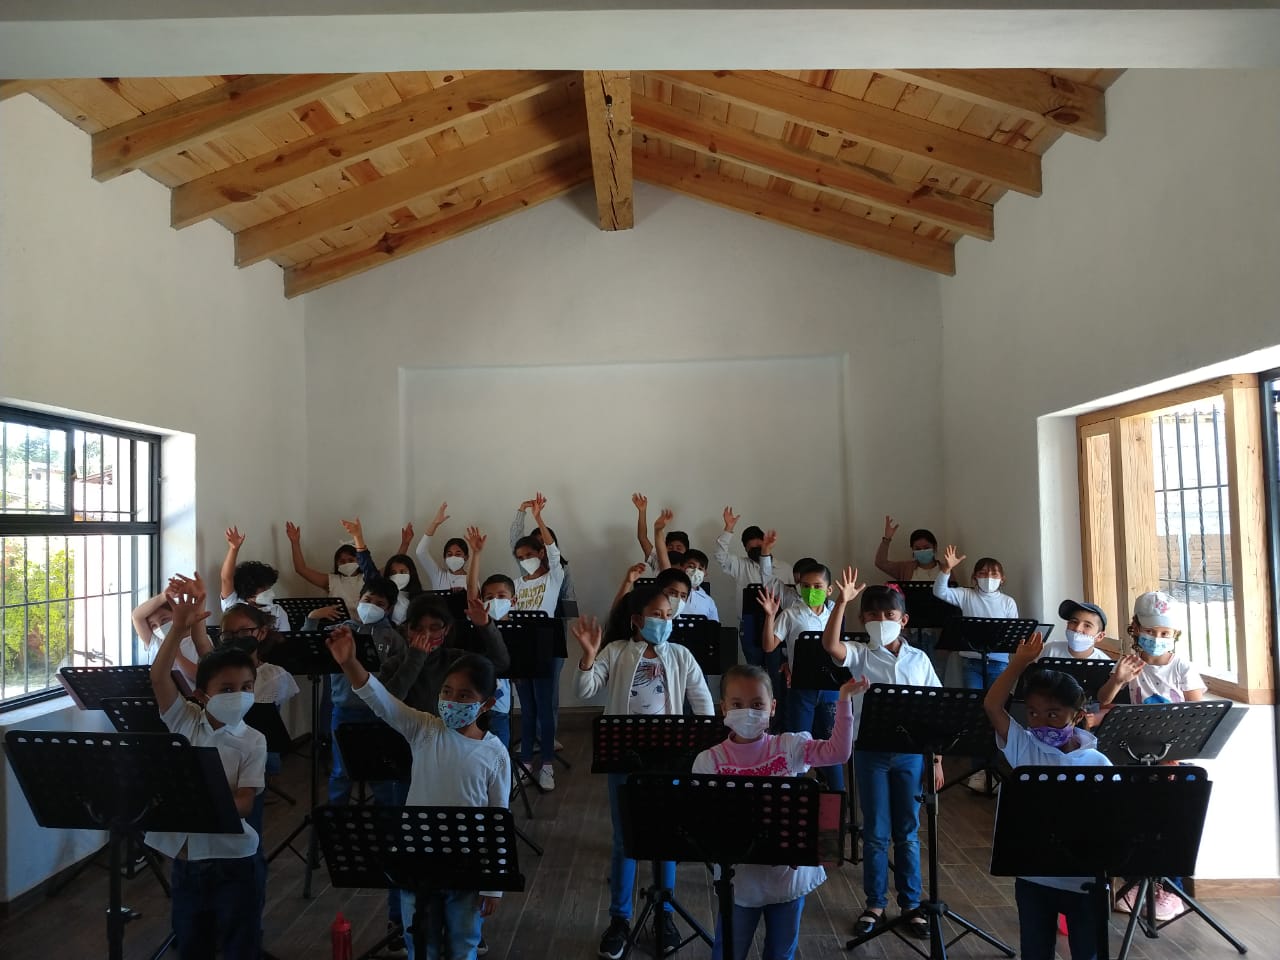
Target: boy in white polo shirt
<point x="219" y="881"/>
<point x="1086" y="625"/>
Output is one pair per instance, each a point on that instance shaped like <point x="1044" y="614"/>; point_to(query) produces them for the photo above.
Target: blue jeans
<point x="500" y="727"/>
<point x="217" y="908"/>
<point x="452" y="918"/>
<point x="1038" y="909"/>
<point x="889" y="787"/>
<point x="749" y="637"/>
<point x="814" y="712"/>
<point x="538" y="714"/>
<point x="622" y="869"/>
<point x="973" y="678"/>
<point x="781" y="930"/>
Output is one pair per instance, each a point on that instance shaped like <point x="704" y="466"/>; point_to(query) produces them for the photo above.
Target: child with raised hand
<point x="250" y="582"/>
<point x="399" y="569"/>
<point x="497" y="597"/>
<point x="756" y="567"/>
<point x="923" y="564"/>
<point x="455" y="764"/>
<point x="985" y="599"/>
<point x="888" y="783"/>
<point x="344" y="581"/>
<point x="516" y="535"/>
<point x="804" y="711"/>
<point x="643" y="675"/>
<point x="1154" y="672"/>
<point x="152" y="620"/>
<point x="775" y="894"/>
<point x="453" y="575"/>
<point x="673" y="541"/>
<point x="218" y="887"/>
<point x="1086" y="626"/>
<point x="1052" y="737"/>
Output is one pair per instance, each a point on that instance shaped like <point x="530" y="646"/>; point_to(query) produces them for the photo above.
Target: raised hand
<point x="951" y="558"/>
<point x="328" y="613"/>
<point x="235" y="537"/>
<point x="476" y="541"/>
<point x="1128" y="667"/>
<point x="664" y="518"/>
<point x="730" y="519"/>
<point x="442" y="514"/>
<point x="476" y="612"/>
<point x="641" y="501"/>
<point x="770" y="601"/>
<point x="586" y="630"/>
<point x="526" y="506"/>
<point x="342" y="644"/>
<point x="854" y="686"/>
<point x="187" y="599"/>
<point x="847" y="586"/>
<point x="406" y="532"/>
<point x="890" y="527"/>
<point x="1028" y="651"/>
<point x="539" y="504"/>
<point x="636" y="571"/>
<point x="293" y="532"/>
<point x="354" y="528"/>
<point x="770" y="538"/>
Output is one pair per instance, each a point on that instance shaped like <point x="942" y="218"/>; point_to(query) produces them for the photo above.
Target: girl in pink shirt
<point x="774" y="893"/>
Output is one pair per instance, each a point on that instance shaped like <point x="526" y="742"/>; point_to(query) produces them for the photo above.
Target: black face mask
<point x="753" y="553"/>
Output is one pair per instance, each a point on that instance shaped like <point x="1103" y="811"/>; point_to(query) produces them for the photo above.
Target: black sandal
<point x="917" y="924"/>
<point x="867" y="923"/>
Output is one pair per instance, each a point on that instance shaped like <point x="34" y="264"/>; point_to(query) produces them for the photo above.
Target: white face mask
<point x="265" y="598"/>
<point x="696" y="576"/>
<point x="530" y="564"/>
<point x="747" y="724"/>
<point x="159" y="633"/>
<point x="401" y="580"/>
<point x="1079" y="642"/>
<point x="229" y="708"/>
<point x="989" y="584"/>
<point x="348" y="569"/>
<point x="882" y="632"/>
<point x="369" y="612"/>
<point x="677" y="606"/>
<point x="497" y="607"/>
<point x="455" y="563"/>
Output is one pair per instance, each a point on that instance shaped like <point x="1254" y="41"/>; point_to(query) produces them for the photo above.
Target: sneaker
<point x="1168" y="905"/>
<point x="396" y="946"/>
<point x="481" y="948"/>
<point x="668" y="935"/>
<point x="979" y="781"/>
<point x="1124" y="904"/>
<point x="547" y="778"/>
<point x="614" y="942"/>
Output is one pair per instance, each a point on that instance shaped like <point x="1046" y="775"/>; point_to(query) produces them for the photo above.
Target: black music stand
<point x="1155" y="817"/>
<point x="87" y="686"/>
<point x="706" y="641"/>
<point x="297" y="609"/>
<point x="924" y="610"/>
<point x="930" y="721"/>
<point x="455" y="601"/>
<point x="134" y="714"/>
<point x="531" y="648"/>
<point x="554" y="626"/>
<point x="722" y="820"/>
<point x="304" y="654"/>
<point x="1092" y="675"/>
<point x="654" y="744"/>
<point x="422" y="849"/>
<point x="1156" y="733"/>
<point x="121" y="783"/>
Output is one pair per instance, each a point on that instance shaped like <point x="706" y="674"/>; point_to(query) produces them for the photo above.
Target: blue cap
<point x="1069" y="607"/>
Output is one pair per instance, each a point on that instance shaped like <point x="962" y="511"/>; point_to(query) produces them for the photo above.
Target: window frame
<point x="1126" y="496"/>
<point x="66" y="524"/>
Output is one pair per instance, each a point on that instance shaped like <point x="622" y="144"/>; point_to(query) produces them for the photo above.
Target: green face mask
<point x="814" y="596"/>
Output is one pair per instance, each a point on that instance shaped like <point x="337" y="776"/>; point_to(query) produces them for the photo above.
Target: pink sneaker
<point x="1168" y="905"/>
<point x="1125" y="903"/>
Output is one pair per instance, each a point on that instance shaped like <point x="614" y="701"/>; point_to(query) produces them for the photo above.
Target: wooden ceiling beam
<point x="494" y="152"/>
<point x="799" y="214"/>
<point x="474" y="95"/>
<point x="449" y="222"/>
<point x="608" y="98"/>
<point x="1030" y="94"/>
<point x="194" y="120"/>
<point x="781" y="159"/>
<point x="859" y="121"/>
<point x="12" y="88"/>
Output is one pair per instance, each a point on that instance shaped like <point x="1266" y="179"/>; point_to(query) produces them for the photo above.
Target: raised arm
<point x="517" y="522"/>
<point x="593" y="672"/>
<point x="199" y="635"/>
<point x="634" y="573"/>
<point x="659" y="537"/>
<point x="312" y="576"/>
<point x="728" y="562"/>
<point x="893" y="568"/>
<point x="770" y="603"/>
<point x="942" y="588"/>
<point x="846" y="591"/>
<point x="187" y="608"/>
<point x="406" y="720"/>
<point x="406" y="538"/>
<point x="539" y="504"/>
<point x="476" y="541"/>
<point x="1002" y="688"/>
<point x="827" y="753"/>
<point x="642" y="524"/>
<point x="1126" y="670"/>
<point x="143" y="610"/>
<point x="486" y="638"/>
<point x="227" y="576"/>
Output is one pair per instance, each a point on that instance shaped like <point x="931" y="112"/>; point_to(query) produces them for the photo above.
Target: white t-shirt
<point x="1021" y="749"/>
<point x="1165" y="684"/>
<point x="440" y="578"/>
<point x="1058" y="650"/>
<point x="277" y="611"/>
<point x="908" y="666"/>
<point x="273" y="684"/>
<point x="798" y="619"/>
<point x="544" y="592"/>
<point x="648" y="689"/>
<point x="976" y="603"/>
<point x="348" y="589"/>
<point x="243" y="752"/>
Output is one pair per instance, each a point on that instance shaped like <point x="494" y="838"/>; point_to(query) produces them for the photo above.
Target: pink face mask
<point x="1055" y="737"/>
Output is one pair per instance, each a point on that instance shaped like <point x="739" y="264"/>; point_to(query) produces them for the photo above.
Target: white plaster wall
<point x="1151" y="254"/>
<point x="105" y="311"/>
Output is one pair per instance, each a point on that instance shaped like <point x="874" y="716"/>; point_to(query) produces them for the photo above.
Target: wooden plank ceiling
<point x="329" y="175"/>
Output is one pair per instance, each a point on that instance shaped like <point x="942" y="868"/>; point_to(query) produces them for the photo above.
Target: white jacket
<point x="616" y="665"/>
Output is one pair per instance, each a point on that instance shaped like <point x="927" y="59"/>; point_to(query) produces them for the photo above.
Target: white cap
<point x="1155" y="609"/>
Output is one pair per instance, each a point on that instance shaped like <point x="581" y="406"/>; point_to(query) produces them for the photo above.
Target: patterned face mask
<point x="1055" y="737"/>
<point x="458" y="716"/>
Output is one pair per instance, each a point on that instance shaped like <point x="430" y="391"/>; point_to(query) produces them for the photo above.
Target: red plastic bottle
<point x="340" y="934"/>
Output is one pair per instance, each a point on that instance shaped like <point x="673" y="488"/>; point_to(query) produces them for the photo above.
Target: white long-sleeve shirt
<point x="439" y="577"/>
<point x="615" y="667"/>
<point x="700" y="604"/>
<point x="744" y="570"/>
<point x="975" y="603"/>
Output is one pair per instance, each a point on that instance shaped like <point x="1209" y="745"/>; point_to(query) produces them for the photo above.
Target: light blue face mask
<point x="923" y="557"/>
<point x="1154" y="646"/>
<point x="656" y="630"/>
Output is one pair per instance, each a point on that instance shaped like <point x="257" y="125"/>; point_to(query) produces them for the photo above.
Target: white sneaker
<point x="978" y="781"/>
<point x="1168" y="905"/>
<point x="547" y="778"/>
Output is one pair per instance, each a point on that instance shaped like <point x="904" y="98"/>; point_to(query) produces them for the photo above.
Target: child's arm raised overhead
<point x="728" y="562"/>
<point x="893" y="568"/>
<point x="187" y="608"/>
<point x="634" y="573"/>
<point x="486" y="638"/>
<point x="517" y="523"/>
<point x="312" y="576"/>
<point x="642" y="524"/>
<point x="942" y="588"/>
<point x="548" y="541"/>
<point x="409" y="722"/>
<point x="1126" y="670"/>
<point x="846" y="591"/>
<point x="143" y="610"/>
<point x="476" y="541"/>
<point x="770" y="603"/>
<point x="364" y="558"/>
<point x="199" y="635"/>
<point x="659" y="538"/>
<point x="434" y="574"/>
<point x="593" y="673"/>
<point x="1002" y="688"/>
<point x="227" y="575"/>
<point x="406" y="538"/>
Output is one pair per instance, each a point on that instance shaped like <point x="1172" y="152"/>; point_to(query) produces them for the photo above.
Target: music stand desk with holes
<point x="1092" y="675"/>
<point x="420" y="849"/>
<point x="559" y="646"/>
<point x="705" y="639"/>
<point x="925" y="611"/>
<point x="897" y="718"/>
<point x="722" y="820"/>
<point x="531" y="647"/>
<point x="1153" y="825"/>
<point x="298" y="609"/>
<point x="121" y="783"/>
<point x="88" y="686"/>
<point x="812" y="667"/>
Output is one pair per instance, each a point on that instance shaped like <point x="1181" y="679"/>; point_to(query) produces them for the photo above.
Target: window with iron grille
<point x="79" y="546"/>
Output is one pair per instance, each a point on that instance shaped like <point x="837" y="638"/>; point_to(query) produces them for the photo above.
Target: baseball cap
<point x="1068" y="607"/>
<point x="1155" y="609"/>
